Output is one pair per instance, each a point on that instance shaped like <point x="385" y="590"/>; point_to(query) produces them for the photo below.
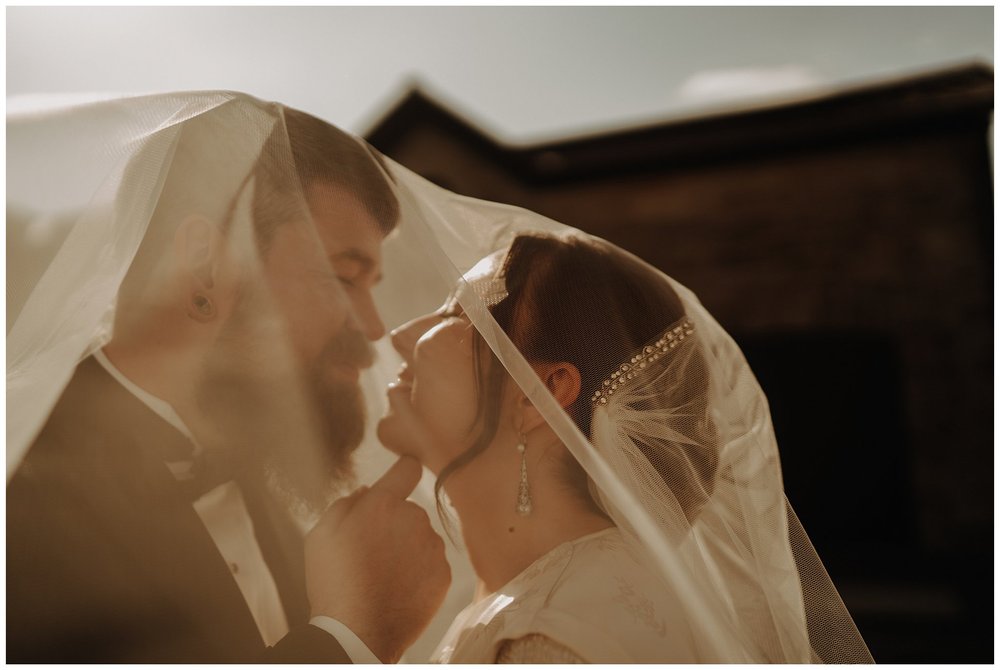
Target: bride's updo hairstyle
<point x="581" y="300"/>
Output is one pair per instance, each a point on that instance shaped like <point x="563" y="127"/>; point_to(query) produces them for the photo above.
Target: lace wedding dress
<point x="588" y="601"/>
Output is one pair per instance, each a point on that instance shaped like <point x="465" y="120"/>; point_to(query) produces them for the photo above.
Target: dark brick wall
<point x="857" y="276"/>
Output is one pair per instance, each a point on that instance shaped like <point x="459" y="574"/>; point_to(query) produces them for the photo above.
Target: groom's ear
<point x="198" y="245"/>
<point x="563" y="382"/>
<point x="205" y="271"/>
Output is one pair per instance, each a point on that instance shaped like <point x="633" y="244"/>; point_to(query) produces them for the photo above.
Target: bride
<point x="600" y="445"/>
<point x="564" y="573"/>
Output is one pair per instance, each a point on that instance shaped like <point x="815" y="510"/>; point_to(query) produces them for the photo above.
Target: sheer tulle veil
<point x="680" y="451"/>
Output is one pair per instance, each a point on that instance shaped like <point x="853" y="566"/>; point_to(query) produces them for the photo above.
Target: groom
<point x="148" y="521"/>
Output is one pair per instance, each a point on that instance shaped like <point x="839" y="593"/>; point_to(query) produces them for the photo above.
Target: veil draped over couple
<point x="273" y="397"/>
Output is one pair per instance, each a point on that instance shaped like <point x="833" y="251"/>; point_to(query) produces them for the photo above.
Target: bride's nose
<point x="404" y="338"/>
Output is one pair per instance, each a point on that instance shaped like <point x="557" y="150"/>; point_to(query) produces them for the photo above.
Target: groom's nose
<point x="404" y="338"/>
<point x="367" y="318"/>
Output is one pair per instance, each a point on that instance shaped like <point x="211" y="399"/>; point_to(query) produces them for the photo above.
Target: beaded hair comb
<point x="638" y="363"/>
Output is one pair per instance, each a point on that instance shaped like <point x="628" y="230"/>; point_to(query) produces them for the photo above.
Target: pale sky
<point x="523" y="73"/>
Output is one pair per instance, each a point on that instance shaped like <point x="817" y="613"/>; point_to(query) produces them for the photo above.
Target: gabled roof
<point x="957" y="99"/>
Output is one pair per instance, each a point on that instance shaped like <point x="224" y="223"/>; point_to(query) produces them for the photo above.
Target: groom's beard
<point x="280" y="417"/>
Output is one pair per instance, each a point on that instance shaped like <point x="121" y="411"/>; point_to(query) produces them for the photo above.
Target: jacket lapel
<point x="141" y="506"/>
<point x="281" y="544"/>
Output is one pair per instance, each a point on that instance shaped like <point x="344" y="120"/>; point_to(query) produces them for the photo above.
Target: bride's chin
<point x="392" y="434"/>
<point x="400" y="430"/>
<point x="386" y="433"/>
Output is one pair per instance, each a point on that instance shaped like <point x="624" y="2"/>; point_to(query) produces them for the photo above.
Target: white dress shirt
<point x="225" y="515"/>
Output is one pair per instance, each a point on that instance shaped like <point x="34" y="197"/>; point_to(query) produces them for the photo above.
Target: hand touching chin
<point x="402" y="431"/>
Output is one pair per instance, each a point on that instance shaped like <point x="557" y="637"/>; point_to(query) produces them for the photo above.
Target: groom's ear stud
<point x="202" y="308"/>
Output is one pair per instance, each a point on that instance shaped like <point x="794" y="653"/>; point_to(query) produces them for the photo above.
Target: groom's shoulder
<point x="89" y="430"/>
<point x="79" y="448"/>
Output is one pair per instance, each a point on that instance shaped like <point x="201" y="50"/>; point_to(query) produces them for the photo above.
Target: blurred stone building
<point x="846" y="241"/>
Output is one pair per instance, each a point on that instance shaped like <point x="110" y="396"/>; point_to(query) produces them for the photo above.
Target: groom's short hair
<point x="284" y="151"/>
<point x="305" y="150"/>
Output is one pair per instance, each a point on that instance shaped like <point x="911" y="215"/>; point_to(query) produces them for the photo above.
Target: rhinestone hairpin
<point x="638" y="363"/>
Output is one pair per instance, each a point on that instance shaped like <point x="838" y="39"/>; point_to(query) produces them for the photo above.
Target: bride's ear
<point x="563" y="382"/>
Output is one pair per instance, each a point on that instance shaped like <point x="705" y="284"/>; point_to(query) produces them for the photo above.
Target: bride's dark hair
<point x="579" y="300"/>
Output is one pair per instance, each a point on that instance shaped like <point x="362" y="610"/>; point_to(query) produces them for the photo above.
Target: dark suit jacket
<point x="107" y="561"/>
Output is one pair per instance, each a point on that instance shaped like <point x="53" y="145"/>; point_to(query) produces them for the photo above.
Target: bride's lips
<point x="398" y="386"/>
<point x="398" y="394"/>
<point x="404" y="375"/>
<point x="400" y="389"/>
<point x="402" y="385"/>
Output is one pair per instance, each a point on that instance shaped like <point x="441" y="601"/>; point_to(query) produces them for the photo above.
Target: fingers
<point x="342" y="506"/>
<point x="396" y="484"/>
<point x="400" y="480"/>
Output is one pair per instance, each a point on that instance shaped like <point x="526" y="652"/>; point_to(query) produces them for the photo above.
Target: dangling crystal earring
<point x="523" y="493"/>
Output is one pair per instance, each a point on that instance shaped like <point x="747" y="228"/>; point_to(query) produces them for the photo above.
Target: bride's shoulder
<point x="591" y="595"/>
<point x="599" y="566"/>
<point x="579" y="572"/>
<point x="609" y="607"/>
<point x="596" y="554"/>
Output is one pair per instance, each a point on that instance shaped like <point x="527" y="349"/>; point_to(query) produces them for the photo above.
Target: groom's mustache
<point x="349" y="347"/>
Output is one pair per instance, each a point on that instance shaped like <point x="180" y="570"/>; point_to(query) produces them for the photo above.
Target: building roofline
<point x="958" y="98"/>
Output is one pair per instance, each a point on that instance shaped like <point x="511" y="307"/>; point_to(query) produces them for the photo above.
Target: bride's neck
<point x="501" y="542"/>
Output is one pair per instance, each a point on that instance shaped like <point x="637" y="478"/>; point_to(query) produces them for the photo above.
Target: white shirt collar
<point x="160" y="407"/>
